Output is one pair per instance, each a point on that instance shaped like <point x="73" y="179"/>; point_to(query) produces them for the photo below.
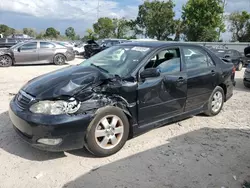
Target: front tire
<point x="59" y="59"/>
<point x="108" y="132"/>
<point x="5" y="61"/>
<point x="215" y="102"/>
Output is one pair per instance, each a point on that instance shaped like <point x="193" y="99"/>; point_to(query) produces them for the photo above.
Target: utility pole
<point x="224" y="5"/>
<point x="98" y="9"/>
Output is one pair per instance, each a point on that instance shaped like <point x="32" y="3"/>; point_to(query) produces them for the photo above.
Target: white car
<point x="79" y="49"/>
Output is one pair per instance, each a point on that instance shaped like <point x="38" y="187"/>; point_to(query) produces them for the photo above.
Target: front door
<point x="26" y="53"/>
<point x="163" y="96"/>
<point x="202" y="77"/>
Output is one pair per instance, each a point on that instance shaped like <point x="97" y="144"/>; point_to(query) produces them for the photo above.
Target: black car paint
<point x="143" y="101"/>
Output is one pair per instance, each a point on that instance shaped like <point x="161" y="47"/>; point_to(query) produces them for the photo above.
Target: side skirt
<point x="138" y="130"/>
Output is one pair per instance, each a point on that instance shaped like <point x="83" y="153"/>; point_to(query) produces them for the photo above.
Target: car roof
<point x="156" y="44"/>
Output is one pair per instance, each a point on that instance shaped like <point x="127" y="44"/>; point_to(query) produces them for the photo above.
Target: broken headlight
<point x="55" y="107"/>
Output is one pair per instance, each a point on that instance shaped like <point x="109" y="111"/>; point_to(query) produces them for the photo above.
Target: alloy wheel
<point x="5" y="60"/>
<point x="217" y="101"/>
<point x="109" y="132"/>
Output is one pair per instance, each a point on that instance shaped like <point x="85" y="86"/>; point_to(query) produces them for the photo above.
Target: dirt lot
<point x="200" y="152"/>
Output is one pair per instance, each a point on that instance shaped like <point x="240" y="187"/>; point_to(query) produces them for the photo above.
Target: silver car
<point x="36" y="52"/>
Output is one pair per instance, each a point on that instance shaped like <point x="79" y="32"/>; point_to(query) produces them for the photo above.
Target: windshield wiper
<point x="92" y="64"/>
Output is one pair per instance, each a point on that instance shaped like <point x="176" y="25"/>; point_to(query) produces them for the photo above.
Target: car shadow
<point x="12" y="143"/>
<point x="202" y="158"/>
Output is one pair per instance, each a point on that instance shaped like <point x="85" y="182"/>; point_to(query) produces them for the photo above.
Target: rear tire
<point x="108" y="132"/>
<point x="215" y="102"/>
<point x="246" y="84"/>
<point x="239" y="68"/>
<point x="59" y="59"/>
<point x="5" y="61"/>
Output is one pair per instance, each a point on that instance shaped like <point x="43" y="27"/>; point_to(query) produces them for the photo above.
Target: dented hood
<point x="64" y="82"/>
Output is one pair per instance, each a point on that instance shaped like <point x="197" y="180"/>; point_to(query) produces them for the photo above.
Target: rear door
<point x="164" y="96"/>
<point x="202" y="76"/>
<point x="46" y="52"/>
<point x="27" y="53"/>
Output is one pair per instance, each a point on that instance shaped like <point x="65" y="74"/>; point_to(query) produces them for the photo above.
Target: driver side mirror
<point x="19" y="49"/>
<point x="227" y="56"/>
<point x="150" y="73"/>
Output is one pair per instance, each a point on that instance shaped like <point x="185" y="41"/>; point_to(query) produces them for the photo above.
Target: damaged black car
<point x="120" y="93"/>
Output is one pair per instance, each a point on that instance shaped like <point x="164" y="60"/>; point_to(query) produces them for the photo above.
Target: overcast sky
<point x="80" y="14"/>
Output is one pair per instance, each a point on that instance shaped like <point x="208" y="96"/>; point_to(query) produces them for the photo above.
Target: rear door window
<point x="198" y="60"/>
<point x="46" y="45"/>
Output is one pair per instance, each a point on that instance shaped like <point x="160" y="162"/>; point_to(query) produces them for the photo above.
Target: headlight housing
<point x="55" y="107"/>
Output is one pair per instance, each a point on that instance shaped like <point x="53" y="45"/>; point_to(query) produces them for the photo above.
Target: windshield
<point x="118" y="60"/>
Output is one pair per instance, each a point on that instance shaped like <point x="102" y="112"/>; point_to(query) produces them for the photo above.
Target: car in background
<point x="67" y="44"/>
<point x="111" y="42"/>
<point x="36" y="52"/>
<point x="104" y="100"/>
<point x="231" y="55"/>
<point x="93" y="47"/>
<point x="79" y="49"/>
<point x="246" y="78"/>
<point x="247" y="55"/>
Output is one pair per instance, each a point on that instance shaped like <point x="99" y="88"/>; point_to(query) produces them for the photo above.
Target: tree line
<point x="201" y="20"/>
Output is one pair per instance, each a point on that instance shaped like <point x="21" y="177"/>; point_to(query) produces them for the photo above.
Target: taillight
<point x="234" y="69"/>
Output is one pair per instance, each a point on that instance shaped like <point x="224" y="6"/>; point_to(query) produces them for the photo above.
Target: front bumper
<point x="31" y="127"/>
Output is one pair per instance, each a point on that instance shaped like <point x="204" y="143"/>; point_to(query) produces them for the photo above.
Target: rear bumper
<point x="70" y="57"/>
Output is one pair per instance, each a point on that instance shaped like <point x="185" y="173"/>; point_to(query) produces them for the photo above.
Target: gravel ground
<point x="202" y="152"/>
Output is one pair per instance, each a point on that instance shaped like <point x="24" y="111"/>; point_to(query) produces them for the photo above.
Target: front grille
<point x="23" y="99"/>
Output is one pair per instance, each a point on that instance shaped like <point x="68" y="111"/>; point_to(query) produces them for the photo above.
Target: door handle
<point x="213" y="72"/>
<point x="180" y="79"/>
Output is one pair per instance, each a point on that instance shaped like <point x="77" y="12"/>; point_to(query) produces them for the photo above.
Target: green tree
<point x="203" y="20"/>
<point x="29" y="31"/>
<point x="40" y="35"/>
<point x="179" y="28"/>
<point x="134" y="29"/>
<point x="70" y="33"/>
<point x="51" y="33"/>
<point x="104" y="27"/>
<point x="6" y="30"/>
<point x="90" y="34"/>
<point x="77" y="37"/>
<point x="240" y="26"/>
<point x="121" y="27"/>
<point x="157" y="18"/>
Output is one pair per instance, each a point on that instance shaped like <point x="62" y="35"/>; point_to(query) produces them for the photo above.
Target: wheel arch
<point x="224" y="87"/>
<point x="59" y="53"/>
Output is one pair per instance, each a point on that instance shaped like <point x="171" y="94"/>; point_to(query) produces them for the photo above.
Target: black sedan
<point x="119" y="93"/>
<point x="36" y="52"/>
<point x="231" y="55"/>
<point x="246" y="79"/>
